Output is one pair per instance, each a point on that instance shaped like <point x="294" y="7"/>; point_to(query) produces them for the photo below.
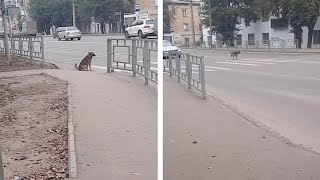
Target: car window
<point x="72" y="29"/>
<point x="166" y="43"/>
<point x="134" y="23"/>
<point x="150" y="21"/>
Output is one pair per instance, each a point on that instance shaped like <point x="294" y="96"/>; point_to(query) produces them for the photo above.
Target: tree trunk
<point x="298" y="36"/>
<point x="310" y="36"/>
<point x="103" y="27"/>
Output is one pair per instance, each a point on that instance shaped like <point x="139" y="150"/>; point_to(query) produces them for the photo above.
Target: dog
<point x="85" y="64"/>
<point x="234" y="54"/>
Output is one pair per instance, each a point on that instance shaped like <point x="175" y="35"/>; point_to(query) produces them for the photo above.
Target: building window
<point x="184" y="12"/>
<point x="186" y="27"/>
<point x="187" y="41"/>
<point x="239" y="39"/>
<point x="251" y="40"/>
<point x="265" y="38"/>
<point x="316" y="37"/>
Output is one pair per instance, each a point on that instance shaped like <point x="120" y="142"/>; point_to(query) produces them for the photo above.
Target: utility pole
<point x="5" y="28"/>
<point x="73" y="14"/>
<point x="210" y="24"/>
<point x="192" y="25"/>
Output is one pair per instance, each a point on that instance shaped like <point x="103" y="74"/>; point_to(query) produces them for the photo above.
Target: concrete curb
<point x="73" y="171"/>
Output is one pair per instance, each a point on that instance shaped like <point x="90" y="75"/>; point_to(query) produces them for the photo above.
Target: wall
<point x="149" y="6"/>
<point x="179" y="21"/>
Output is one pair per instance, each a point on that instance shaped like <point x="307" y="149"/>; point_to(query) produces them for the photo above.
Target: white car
<point x="141" y="28"/>
<point x="167" y="46"/>
<point x="67" y="33"/>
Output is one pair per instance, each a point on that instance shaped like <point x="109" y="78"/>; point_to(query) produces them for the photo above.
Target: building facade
<point x="182" y="21"/>
<point x="266" y="30"/>
<point x="148" y="6"/>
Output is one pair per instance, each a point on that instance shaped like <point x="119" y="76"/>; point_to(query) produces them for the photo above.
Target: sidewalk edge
<point x="73" y="171"/>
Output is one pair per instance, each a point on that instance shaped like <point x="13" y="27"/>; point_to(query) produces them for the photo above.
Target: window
<point x="187" y="41"/>
<point x="184" y="12"/>
<point x="239" y="39"/>
<point x="251" y="39"/>
<point x="186" y="27"/>
<point x="265" y="38"/>
<point x="316" y="37"/>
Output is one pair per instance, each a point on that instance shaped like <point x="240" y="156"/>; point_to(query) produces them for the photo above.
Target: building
<point x="266" y="30"/>
<point x="148" y="6"/>
<point x="182" y="21"/>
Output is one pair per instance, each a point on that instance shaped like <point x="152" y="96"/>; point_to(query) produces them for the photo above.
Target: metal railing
<point x="32" y="47"/>
<point x="133" y="55"/>
<point x="188" y="68"/>
<point x="259" y="45"/>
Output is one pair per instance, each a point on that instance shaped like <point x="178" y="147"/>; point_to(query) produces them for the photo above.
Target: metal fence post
<point x="189" y="69"/>
<point x="21" y="46"/>
<point x="109" y="55"/>
<point x="203" y="78"/>
<point x="134" y="57"/>
<point x="170" y="62"/>
<point x="145" y="61"/>
<point x="1" y="167"/>
<point x="283" y="45"/>
<point x="30" y="47"/>
<point x="178" y="61"/>
<point x="42" y="48"/>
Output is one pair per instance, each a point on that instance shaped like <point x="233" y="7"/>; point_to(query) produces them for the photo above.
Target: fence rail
<point x="188" y="68"/>
<point x="32" y="46"/>
<point x="133" y="55"/>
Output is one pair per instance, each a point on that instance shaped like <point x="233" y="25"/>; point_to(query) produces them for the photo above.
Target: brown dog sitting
<point x="85" y="64"/>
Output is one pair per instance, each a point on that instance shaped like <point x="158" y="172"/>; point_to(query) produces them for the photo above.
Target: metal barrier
<point x="32" y="46"/>
<point x="258" y="45"/>
<point x="1" y="167"/>
<point x="133" y="55"/>
<point x="188" y="68"/>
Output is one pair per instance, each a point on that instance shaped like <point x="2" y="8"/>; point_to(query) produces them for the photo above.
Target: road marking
<point x="290" y="60"/>
<point x="219" y="68"/>
<point x="244" y="64"/>
<point x="256" y="62"/>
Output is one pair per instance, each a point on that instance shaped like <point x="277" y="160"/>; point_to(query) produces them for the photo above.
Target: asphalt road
<point x="71" y="52"/>
<point x="280" y="91"/>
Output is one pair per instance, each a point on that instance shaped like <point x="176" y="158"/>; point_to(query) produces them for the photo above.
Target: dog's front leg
<point x="90" y="67"/>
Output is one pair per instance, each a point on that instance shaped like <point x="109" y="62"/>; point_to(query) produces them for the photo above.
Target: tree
<point x="168" y="16"/>
<point x="225" y="15"/>
<point x="303" y="13"/>
<point x="50" y="12"/>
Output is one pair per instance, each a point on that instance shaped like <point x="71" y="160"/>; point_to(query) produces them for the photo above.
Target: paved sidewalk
<point x="115" y="119"/>
<point x="203" y="140"/>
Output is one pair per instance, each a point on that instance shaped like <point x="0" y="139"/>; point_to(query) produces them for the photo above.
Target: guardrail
<point x="27" y="46"/>
<point x="133" y="55"/>
<point x="258" y="45"/>
<point x="188" y="68"/>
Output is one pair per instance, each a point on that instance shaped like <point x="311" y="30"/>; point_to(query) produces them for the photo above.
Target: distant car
<point x="141" y="28"/>
<point x="67" y="33"/>
<point x="167" y="46"/>
<point x="16" y="33"/>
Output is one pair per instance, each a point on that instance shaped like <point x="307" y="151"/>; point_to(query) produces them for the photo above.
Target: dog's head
<point x="92" y="54"/>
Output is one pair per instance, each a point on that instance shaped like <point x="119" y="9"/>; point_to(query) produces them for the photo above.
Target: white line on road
<point x="244" y="64"/>
<point x="219" y="68"/>
<point x="256" y="62"/>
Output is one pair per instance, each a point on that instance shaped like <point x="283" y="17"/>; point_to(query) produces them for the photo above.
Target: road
<point x="71" y="52"/>
<point x="279" y="91"/>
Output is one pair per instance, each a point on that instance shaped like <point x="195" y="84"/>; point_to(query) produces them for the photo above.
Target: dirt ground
<point x="21" y="63"/>
<point x="33" y="127"/>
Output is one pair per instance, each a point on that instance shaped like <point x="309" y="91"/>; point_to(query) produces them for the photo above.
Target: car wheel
<point x="59" y="39"/>
<point x="71" y="39"/>
<point x="79" y="39"/>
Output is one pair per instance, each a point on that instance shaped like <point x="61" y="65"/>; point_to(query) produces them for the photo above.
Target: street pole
<point x="192" y="25"/>
<point x="210" y="24"/>
<point x="6" y="39"/>
<point x="73" y="14"/>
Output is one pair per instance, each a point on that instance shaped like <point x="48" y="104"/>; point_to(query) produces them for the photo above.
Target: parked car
<point x="167" y="46"/>
<point x="141" y="28"/>
<point x="67" y="33"/>
<point x="16" y="33"/>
